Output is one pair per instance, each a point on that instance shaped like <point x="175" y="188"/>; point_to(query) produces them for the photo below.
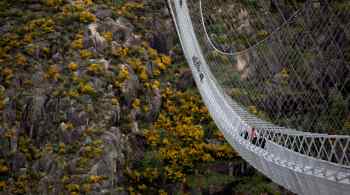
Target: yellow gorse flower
<point x="123" y="74"/>
<point x="53" y="72"/>
<point x="96" y="179"/>
<point x="87" y="89"/>
<point x="108" y="36"/>
<point x="73" y="66"/>
<point x="53" y="3"/>
<point x="136" y="103"/>
<point x="166" y="60"/>
<point x="21" y="59"/>
<point x="78" y="42"/>
<point x="87" y="17"/>
<point x="95" y="68"/>
<point x="86" y="54"/>
<point x="120" y="51"/>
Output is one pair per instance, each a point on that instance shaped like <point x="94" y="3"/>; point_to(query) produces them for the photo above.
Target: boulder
<point x="130" y="87"/>
<point x="103" y="13"/>
<point x="133" y="40"/>
<point x="158" y="41"/>
<point x="18" y="161"/>
<point x="186" y="80"/>
<point x="121" y="28"/>
<point x="156" y="103"/>
<point x="100" y="43"/>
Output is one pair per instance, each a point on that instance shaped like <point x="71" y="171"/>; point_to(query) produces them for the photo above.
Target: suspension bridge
<point x="275" y="79"/>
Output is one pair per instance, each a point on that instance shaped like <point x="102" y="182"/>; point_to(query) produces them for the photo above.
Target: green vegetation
<point x="287" y="73"/>
<point x="88" y="106"/>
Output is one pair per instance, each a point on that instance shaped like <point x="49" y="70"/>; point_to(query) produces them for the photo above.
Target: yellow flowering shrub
<point x="95" y="68"/>
<point x="96" y="179"/>
<point x="146" y="108"/>
<point x="40" y="26"/>
<point x="174" y="175"/>
<point x="86" y="54"/>
<point x="120" y="51"/>
<point x="61" y="148"/>
<point x="152" y="53"/>
<point x="252" y="109"/>
<point x="21" y="59"/>
<point x="2" y="185"/>
<point x="127" y="9"/>
<point x="284" y="73"/>
<point x="143" y="74"/>
<point x="92" y="150"/>
<point x="152" y="137"/>
<point x="162" y="62"/>
<point x="3" y="167"/>
<point x="262" y="34"/>
<point x="28" y="38"/>
<point x="115" y="101"/>
<point x="123" y="74"/>
<point x="28" y="149"/>
<point x="73" y="93"/>
<point x="7" y="73"/>
<point x="21" y="185"/>
<point x="155" y="84"/>
<point x="12" y="40"/>
<point x="166" y="59"/>
<point x="162" y="192"/>
<point x="73" y="188"/>
<point x="159" y="63"/>
<point x="177" y="140"/>
<point x="53" y="72"/>
<point x="67" y="126"/>
<point x="53" y="3"/>
<point x="78" y="42"/>
<point x="3" y="54"/>
<point x="136" y="103"/>
<point x="10" y="133"/>
<point x="135" y="63"/>
<point x="46" y="50"/>
<point x="87" y="2"/>
<point x="75" y="77"/>
<point x="86" y="188"/>
<point x="87" y="88"/>
<point x="156" y="72"/>
<point x="189" y="133"/>
<point x="87" y="17"/>
<point x="73" y="67"/>
<point x="117" y="84"/>
<point x="108" y="36"/>
<point x="73" y="9"/>
<point x="2" y="104"/>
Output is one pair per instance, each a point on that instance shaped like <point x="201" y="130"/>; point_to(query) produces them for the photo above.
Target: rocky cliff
<point x="95" y="98"/>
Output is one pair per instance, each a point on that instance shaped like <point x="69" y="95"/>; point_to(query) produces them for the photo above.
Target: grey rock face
<point x="156" y="104"/>
<point x="99" y="42"/>
<point x="103" y="13"/>
<point x="185" y="80"/>
<point x="130" y="86"/>
<point x="121" y="28"/>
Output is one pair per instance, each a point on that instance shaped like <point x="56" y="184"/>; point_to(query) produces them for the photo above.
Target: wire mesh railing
<point x="290" y="63"/>
<point x="305" y="163"/>
<point x="329" y="148"/>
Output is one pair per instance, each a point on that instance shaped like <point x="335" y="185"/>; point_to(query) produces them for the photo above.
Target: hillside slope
<point x="96" y="98"/>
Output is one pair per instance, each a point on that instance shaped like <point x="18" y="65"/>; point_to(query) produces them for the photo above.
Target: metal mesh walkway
<point x="305" y="163"/>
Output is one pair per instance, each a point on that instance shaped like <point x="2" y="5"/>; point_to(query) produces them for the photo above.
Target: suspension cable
<point x="251" y="47"/>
